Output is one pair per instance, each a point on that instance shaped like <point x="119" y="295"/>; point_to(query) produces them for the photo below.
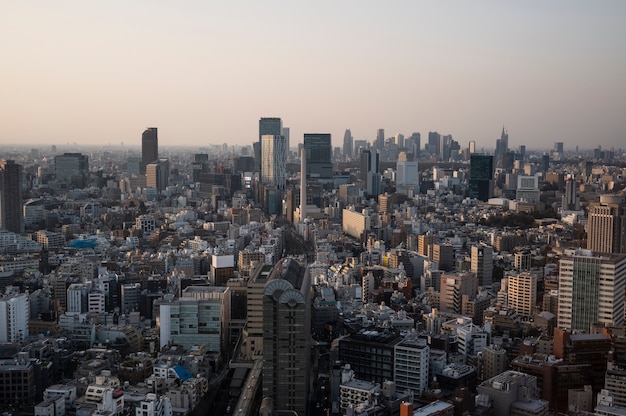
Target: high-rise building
<point x="379" y="143"/>
<point x="348" y="145"/>
<point x="72" y="168"/>
<point x="481" y="177"/>
<point x="158" y="174"/>
<point x="286" y="133"/>
<point x="407" y="172"/>
<point x="606" y="225"/>
<point x="482" y="264"/>
<point x="591" y="290"/>
<point x="570" y="200"/>
<point x="286" y="336"/>
<point x="411" y="359"/>
<point x="11" y="196"/>
<point x="274" y="166"/>
<point x="414" y="144"/>
<point x="502" y="147"/>
<point x="267" y="126"/>
<point x="200" y="316"/>
<point x="453" y="287"/>
<point x="14" y="315"/>
<point x="433" y="144"/>
<point x="149" y="148"/>
<point x="369" y="174"/>
<point x="522" y="294"/>
<point x="318" y="153"/>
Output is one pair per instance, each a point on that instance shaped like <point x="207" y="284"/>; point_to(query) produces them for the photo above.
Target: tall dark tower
<point x="319" y="151"/>
<point x="481" y="177"/>
<point x="11" y="196"/>
<point x="149" y="148"/>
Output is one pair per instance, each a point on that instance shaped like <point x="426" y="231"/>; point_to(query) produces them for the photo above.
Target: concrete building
<point x="522" y="294"/>
<point x="14" y="315"/>
<point x="513" y="393"/>
<point x="606" y="225"/>
<point x="354" y="223"/>
<point x="453" y="287"/>
<point x="72" y="168"/>
<point x="158" y="174"/>
<point x="591" y="290"/>
<point x="482" y="264"/>
<point x="286" y="336"/>
<point x="411" y="358"/>
<point x="493" y="361"/>
<point x="200" y="316"/>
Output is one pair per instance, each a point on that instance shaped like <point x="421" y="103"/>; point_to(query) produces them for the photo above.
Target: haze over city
<point x="205" y="72"/>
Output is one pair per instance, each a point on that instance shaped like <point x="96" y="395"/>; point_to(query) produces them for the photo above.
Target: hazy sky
<point x="205" y="71"/>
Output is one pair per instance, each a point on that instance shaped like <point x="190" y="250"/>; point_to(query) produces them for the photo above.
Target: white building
<point x="355" y="223"/>
<point x="14" y="315"/>
<point x="154" y="406"/>
<point x="411" y="359"/>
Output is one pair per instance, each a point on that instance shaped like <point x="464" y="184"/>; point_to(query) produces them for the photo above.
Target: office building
<point x="481" y="177"/>
<point x="371" y="180"/>
<point x="482" y="264"/>
<point x="14" y="315"/>
<point x="514" y="393"/>
<point x="528" y="189"/>
<point x="72" y="169"/>
<point x="149" y="148"/>
<point x="493" y="361"/>
<point x="286" y="336"/>
<point x="502" y="148"/>
<point x="452" y="288"/>
<point x="354" y="223"/>
<point x="253" y="332"/>
<point x="607" y="225"/>
<point x="522" y="294"/>
<point x="591" y="290"/>
<point x="11" y="197"/>
<point x="411" y="358"/>
<point x="433" y="146"/>
<point x="348" y="145"/>
<point x="379" y="143"/>
<point x="200" y="316"/>
<point x="370" y="354"/>
<point x="273" y="161"/>
<point x="17" y="377"/>
<point x="407" y="172"/>
<point x="272" y="126"/>
<point x="318" y="148"/>
<point x="158" y="174"/>
<point x="570" y="200"/>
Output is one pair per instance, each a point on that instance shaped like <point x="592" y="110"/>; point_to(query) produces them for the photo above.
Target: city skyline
<point x="206" y="73"/>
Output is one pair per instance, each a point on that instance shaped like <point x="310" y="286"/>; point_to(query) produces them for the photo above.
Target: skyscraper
<point x="482" y="264"/>
<point x="286" y="336"/>
<point x="481" y="175"/>
<point x="15" y="312"/>
<point x="158" y="174"/>
<point x="607" y="225"/>
<point x="591" y="290"/>
<point x="379" y="143"/>
<point x="267" y="125"/>
<point x="433" y="142"/>
<point x="149" y="148"/>
<point x="348" y="145"/>
<point x="72" y="168"/>
<point x="369" y="174"/>
<point x="318" y="152"/>
<point x="11" y="196"/>
<point x="502" y="147"/>
<point x="273" y="157"/>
